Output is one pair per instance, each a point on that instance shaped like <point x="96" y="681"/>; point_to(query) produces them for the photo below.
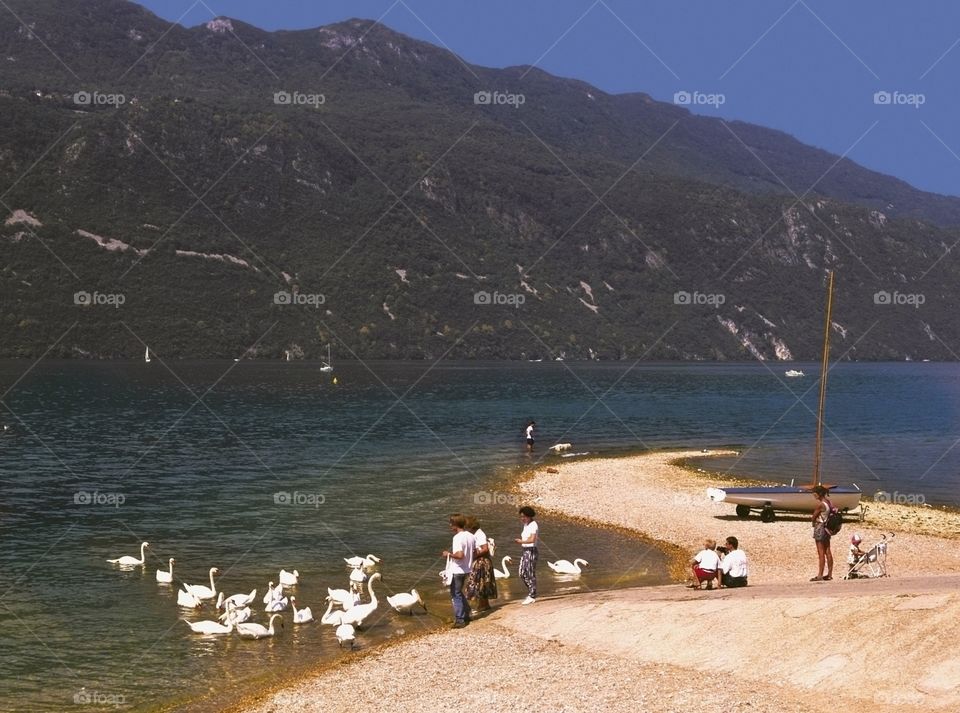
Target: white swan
<point x="356" y="614"/>
<point x="566" y="567"/>
<point x="129" y="560"/>
<point x="345" y="635"/>
<point x="504" y="573"/>
<point x="273" y="593"/>
<point x="357" y="576"/>
<point x="404" y="602"/>
<point x="166" y="577"/>
<point x="209" y="627"/>
<point x="289" y="579"/>
<point x="300" y="616"/>
<point x="368" y="562"/>
<point x="258" y="631"/>
<point x="187" y="600"/>
<point x="237" y="600"/>
<point x="276" y="605"/>
<point x="236" y="615"/>
<point x="344" y="597"/>
<point x="333" y="618"/>
<point x="202" y="591"/>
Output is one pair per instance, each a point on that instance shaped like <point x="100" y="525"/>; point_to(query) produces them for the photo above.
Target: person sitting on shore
<point x="855" y="552"/>
<point x="705" y="565"/>
<point x="733" y="566"/>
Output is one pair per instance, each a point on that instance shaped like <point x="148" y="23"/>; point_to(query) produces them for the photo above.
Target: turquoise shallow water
<point x="197" y="459"/>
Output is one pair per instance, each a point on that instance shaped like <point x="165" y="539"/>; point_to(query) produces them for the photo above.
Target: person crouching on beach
<point x="481" y="584"/>
<point x="733" y="566"/>
<point x="705" y="565"/>
<point x="459" y="561"/>
<point x="821" y="535"/>
<point x="529" y="540"/>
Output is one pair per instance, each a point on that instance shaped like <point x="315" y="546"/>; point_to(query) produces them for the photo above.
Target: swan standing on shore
<point x="131" y="561"/>
<point x="300" y="616"/>
<point x="504" y="573"/>
<point x="289" y="579"/>
<point x="258" y="631"/>
<point x="368" y="562"/>
<point x="404" y="602"/>
<point x="567" y="567"/>
<point x="202" y="591"/>
<point x="166" y="577"/>
<point x="358" y="613"/>
<point x="330" y="617"/>
<point x="209" y="627"/>
<point x="345" y="635"/>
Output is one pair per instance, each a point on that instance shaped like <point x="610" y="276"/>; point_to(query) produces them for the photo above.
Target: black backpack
<point x="834" y="521"/>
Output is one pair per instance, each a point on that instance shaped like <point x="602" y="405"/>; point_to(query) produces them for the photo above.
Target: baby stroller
<point x="872" y="563"/>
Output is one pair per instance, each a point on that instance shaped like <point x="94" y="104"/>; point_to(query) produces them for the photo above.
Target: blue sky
<point x="808" y="67"/>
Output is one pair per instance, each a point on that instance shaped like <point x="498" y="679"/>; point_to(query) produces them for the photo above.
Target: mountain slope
<point x="403" y="203"/>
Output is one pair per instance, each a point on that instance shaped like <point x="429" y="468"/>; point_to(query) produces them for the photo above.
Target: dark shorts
<point x="820" y="534"/>
<point x="529" y="441"/>
<point x="729" y="581"/>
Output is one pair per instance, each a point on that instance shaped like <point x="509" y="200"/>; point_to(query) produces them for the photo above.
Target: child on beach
<point x="855" y="552"/>
<point x="705" y="565"/>
<point x="529" y="540"/>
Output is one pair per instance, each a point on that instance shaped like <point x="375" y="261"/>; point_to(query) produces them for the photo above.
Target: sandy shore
<point x="778" y="645"/>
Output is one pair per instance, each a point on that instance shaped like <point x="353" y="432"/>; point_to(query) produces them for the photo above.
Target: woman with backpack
<point x="821" y="535"/>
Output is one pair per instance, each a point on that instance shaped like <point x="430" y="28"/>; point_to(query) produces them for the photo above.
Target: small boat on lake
<point x="328" y="364"/>
<point x="795" y="498"/>
<point x="793" y="373"/>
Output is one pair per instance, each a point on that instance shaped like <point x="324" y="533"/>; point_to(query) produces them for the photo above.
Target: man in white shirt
<point x="733" y="566"/>
<point x="705" y="565"/>
<point x="459" y="561"/>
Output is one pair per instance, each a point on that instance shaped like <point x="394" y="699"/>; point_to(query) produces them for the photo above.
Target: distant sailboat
<point x="328" y="364"/>
<point x="146" y="355"/>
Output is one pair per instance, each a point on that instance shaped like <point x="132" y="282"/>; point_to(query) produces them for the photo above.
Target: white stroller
<point x="869" y="564"/>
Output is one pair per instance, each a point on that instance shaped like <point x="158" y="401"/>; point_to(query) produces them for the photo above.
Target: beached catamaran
<point x="795" y="498"/>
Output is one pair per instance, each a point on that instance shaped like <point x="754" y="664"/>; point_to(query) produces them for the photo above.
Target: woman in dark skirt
<point x="481" y="584"/>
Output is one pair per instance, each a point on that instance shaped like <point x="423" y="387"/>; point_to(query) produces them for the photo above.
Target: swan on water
<point x="237" y="600"/>
<point x="344" y="597"/>
<point x="357" y="576"/>
<point x="333" y="618"/>
<point x="289" y="579"/>
<point x="202" y="591"/>
<point x="300" y="616"/>
<point x="368" y="562"/>
<point x="187" y="600"/>
<point x="345" y="635"/>
<point x="404" y="602"/>
<point x="566" y="567"/>
<point x="504" y="573"/>
<point x="275" y="605"/>
<point x="273" y="593"/>
<point x="209" y="627"/>
<point x="129" y="560"/>
<point x="258" y="631"/>
<point x="236" y="615"/>
<point x="166" y="577"/>
<point x="356" y="614"/>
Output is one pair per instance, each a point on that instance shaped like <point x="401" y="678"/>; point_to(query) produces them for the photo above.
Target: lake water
<point x="202" y="459"/>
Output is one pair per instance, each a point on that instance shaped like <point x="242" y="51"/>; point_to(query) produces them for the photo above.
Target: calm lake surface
<point x="203" y="459"/>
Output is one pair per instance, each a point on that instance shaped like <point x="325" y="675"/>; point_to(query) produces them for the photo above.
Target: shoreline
<point x="613" y="493"/>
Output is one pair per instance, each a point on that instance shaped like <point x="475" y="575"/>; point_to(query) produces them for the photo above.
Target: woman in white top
<point x="529" y="540"/>
<point x="481" y="584"/>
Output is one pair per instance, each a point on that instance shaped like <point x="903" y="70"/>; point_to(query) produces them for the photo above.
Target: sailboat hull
<point x="787" y="498"/>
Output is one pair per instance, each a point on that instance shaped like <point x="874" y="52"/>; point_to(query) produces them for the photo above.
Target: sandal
<point x="827" y="578"/>
<point x="693" y="586"/>
<point x="816" y="579"/>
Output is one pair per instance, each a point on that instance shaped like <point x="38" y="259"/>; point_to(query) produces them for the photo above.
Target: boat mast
<point x="824" y="364"/>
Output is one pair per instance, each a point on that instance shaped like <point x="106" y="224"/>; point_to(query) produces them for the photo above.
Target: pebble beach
<point x="648" y="649"/>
